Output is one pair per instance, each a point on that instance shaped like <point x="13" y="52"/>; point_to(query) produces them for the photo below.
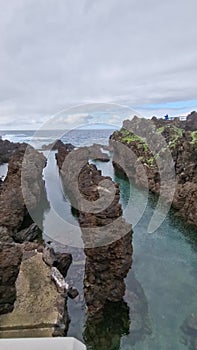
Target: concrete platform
<point x="41" y="343"/>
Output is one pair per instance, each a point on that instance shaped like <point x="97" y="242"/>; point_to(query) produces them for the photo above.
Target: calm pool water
<point x="164" y="273"/>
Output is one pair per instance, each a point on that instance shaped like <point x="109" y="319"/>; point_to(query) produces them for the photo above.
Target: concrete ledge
<point x="41" y="344"/>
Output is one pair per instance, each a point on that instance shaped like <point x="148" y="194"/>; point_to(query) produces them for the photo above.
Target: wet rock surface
<point x="128" y="318"/>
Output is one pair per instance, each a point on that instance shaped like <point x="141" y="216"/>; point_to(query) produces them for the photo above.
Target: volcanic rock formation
<point x="161" y="156"/>
<point x="23" y="180"/>
<point x="107" y="237"/>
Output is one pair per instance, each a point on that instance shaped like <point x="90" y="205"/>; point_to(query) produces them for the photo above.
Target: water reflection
<point x="99" y="275"/>
<point x="106" y="333"/>
<point x="160" y="295"/>
<point x="123" y="323"/>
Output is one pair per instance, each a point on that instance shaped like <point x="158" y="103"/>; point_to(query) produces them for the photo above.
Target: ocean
<point x="163" y="272"/>
<point x="77" y="137"/>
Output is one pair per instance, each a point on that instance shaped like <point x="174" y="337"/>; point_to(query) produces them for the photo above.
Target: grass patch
<point x="194" y="137"/>
<point x="160" y="130"/>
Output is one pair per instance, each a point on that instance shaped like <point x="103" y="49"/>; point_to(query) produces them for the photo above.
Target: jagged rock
<point x="145" y="141"/>
<point x="108" y="254"/>
<point x="61" y="261"/>
<point x="53" y="146"/>
<point x="28" y="234"/>
<point x="56" y="145"/>
<point x="63" y="151"/>
<point x="48" y="256"/>
<point x="23" y="180"/>
<point x="10" y="260"/>
<point x="191" y="122"/>
<point x="7" y="149"/>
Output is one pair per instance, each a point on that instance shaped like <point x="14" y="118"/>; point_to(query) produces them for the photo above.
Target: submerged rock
<point x="129" y="317"/>
<point x="72" y="292"/>
<point x="107" y="333"/>
<point x="189" y="328"/>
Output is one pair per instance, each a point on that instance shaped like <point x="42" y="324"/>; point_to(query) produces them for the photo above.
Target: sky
<point x="56" y="54"/>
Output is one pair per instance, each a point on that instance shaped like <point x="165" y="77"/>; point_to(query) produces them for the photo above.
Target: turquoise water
<point x="164" y="270"/>
<point x="163" y="274"/>
<point x="165" y="265"/>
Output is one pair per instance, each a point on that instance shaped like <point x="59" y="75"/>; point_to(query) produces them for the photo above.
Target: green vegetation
<point x="178" y="131"/>
<point x="194" y="137"/>
<point x="173" y="143"/>
<point x="128" y="137"/>
<point x="150" y="161"/>
<point x="160" y="130"/>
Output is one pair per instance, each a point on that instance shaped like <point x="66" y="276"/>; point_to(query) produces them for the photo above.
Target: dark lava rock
<point x="61" y="261"/>
<point x="7" y="149"/>
<point x="28" y="234"/>
<point x="108" y="332"/>
<point x="54" y="146"/>
<point x="10" y="260"/>
<point x="108" y="253"/>
<point x="23" y="180"/>
<point x="63" y="151"/>
<point x="191" y="122"/>
<point x="154" y="150"/>
<point x="5" y="235"/>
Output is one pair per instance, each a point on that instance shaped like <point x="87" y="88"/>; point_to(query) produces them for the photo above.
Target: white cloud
<point x="54" y="54"/>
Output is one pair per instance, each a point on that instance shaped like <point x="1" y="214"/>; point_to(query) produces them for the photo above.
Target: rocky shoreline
<point x="33" y="290"/>
<point x="28" y="265"/>
<point x="29" y="301"/>
<point x="148" y="147"/>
